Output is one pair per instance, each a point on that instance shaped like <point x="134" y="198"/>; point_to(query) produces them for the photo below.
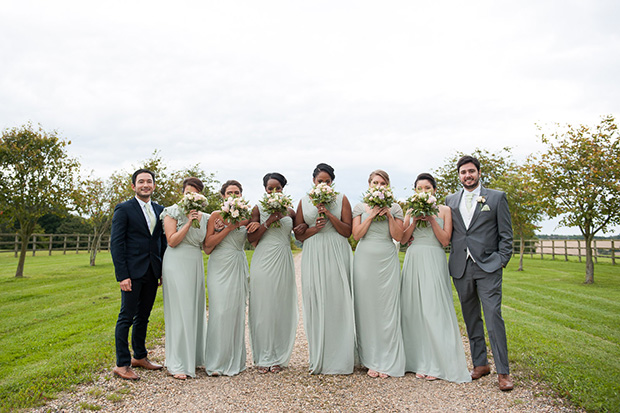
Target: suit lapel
<point x="483" y="193"/>
<point x="141" y="217"/>
<point x="457" y="206"/>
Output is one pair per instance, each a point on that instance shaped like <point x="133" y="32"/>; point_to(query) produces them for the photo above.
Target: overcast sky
<point x="249" y="87"/>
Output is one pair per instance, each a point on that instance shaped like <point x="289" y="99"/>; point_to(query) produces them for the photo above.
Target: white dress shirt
<point x="143" y="206"/>
<point x="468" y="215"/>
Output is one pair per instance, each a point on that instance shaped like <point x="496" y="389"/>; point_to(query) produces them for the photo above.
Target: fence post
<point x="16" y="242"/>
<point x="613" y="253"/>
<point x="542" y="245"/>
<point x="51" y="240"/>
<point x="595" y="252"/>
<point x="109" y="243"/>
<point x="64" y="245"/>
<point x="34" y="244"/>
<point x="77" y="244"/>
<point x="579" y="249"/>
<point x="565" y="250"/>
<point x="553" y="249"/>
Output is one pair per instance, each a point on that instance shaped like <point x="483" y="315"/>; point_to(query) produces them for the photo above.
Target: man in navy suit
<point x="481" y="248"/>
<point x="137" y="246"/>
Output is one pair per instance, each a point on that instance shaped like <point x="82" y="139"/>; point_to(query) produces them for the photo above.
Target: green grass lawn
<point x="57" y="327"/>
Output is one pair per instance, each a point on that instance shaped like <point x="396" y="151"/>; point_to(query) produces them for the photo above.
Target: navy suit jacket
<point x="489" y="236"/>
<point x="132" y="245"/>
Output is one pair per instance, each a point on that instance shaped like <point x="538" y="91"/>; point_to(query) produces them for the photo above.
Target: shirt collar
<point x="142" y="203"/>
<point x="476" y="191"/>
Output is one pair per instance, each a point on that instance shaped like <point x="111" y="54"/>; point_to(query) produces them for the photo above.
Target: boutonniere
<point x="481" y="200"/>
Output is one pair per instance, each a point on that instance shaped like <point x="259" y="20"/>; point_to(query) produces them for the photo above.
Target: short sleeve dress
<point x="376" y="295"/>
<point x="227" y="285"/>
<point x="185" y="313"/>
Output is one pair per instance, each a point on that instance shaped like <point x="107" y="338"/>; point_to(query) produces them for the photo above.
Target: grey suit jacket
<point x="489" y="236"/>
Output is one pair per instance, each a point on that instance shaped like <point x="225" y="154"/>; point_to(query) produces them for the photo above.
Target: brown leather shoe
<point x="505" y="382"/>
<point x="480" y="371"/>
<point x="125" y="372"/>
<point x="145" y="363"/>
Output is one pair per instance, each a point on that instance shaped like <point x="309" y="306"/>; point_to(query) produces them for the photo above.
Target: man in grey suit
<point x="481" y="248"/>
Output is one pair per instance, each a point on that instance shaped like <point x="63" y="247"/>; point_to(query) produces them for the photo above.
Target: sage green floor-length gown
<point x="376" y="297"/>
<point x="185" y="311"/>
<point x="227" y="285"/>
<point x="431" y="335"/>
<point x="273" y="296"/>
<point x="326" y="295"/>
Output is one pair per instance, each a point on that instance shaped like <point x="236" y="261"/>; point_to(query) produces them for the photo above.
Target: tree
<point x="499" y="171"/>
<point x="36" y="177"/>
<point x="578" y="179"/>
<point x="525" y="210"/>
<point x="96" y="199"/>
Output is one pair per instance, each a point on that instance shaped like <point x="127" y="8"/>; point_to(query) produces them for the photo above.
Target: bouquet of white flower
<point x="379" y="196"/>
<point x="322" y="194"/>
<point x="276" y="202"/>
<point x="422" y="204"/>
<point x="235" y="209"/>
<point x="196" y="201"/>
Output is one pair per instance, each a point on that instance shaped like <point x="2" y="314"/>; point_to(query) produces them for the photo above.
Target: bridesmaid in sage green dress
<point x="227" y="278"/>
<point x="183" y="280"/>
<point x="376" y="285"/>
<point x="325" y="280"/>
<point x="433" y="344"/>
<point x="273" y="294"/>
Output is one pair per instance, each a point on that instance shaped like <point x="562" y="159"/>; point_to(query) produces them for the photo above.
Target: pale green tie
<point x="149" y="213"/>
<point x="468" y="199"/>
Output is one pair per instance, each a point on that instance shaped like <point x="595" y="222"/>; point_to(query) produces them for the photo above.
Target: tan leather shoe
<point x="125" y="372"/>
<point x="480" y="371"/>
<point x="505" y="382"/>
<point x="145" y="363"/>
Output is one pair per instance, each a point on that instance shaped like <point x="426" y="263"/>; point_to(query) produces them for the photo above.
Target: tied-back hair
<point x="323" y="167"/>
<point x="425" y="176"/>
<point x="381" y="173"/>
<point x="193" y="182"/>
<point x="274" y="175"/>
<point x="229" y="183"/>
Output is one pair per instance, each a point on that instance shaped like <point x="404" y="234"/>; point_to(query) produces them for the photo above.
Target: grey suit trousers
<point x="474" y="288"/>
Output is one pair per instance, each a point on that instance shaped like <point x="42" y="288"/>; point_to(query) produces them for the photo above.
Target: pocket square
<point x="485" y="208"/>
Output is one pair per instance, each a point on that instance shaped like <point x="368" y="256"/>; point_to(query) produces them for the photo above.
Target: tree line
<point x="576" y="178"/>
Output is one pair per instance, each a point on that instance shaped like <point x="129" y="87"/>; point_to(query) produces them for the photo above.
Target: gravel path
<point x="295" y="390"/>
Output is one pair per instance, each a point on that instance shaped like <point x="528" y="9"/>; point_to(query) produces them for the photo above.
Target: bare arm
<point x="342" y="225"/>
<point x="359" y="227"/>
<point x="302" y="230"/>
<point x="174" y="236"/>
<point x="444" y="234"/>
<point x="395" y="224"/>
<point x="409" y="225"/>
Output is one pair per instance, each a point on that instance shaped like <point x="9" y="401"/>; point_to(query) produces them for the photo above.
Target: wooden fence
<point x="46" y="243"/>
<point x="605" y="249"/>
